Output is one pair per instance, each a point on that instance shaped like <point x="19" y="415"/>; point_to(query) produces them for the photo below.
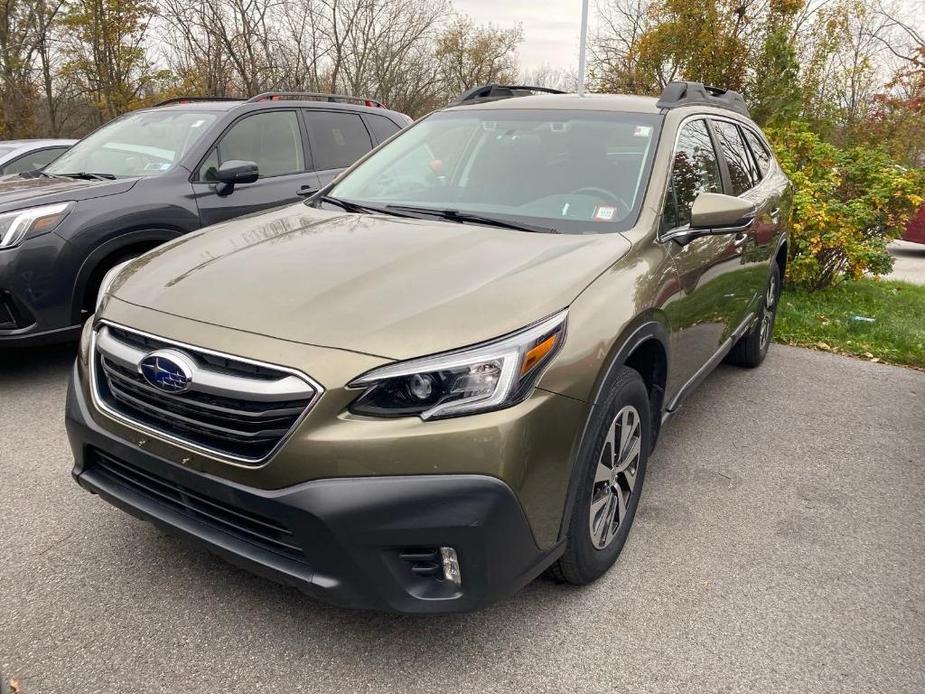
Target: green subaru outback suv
<point x="446" y="372"/>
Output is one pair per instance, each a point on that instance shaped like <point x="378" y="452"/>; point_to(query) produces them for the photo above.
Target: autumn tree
<point x="470" y="55"/>
<point x="700" y="40"/>
<point x="105" y="53"/>
<point x="18" y="42"/>
<point x="774" y="89"/>
<point x="615" y="48"/>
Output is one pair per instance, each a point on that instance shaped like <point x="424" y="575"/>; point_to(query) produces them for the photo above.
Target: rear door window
<point x="337" y="139"/>
<point x="742" y="172"/>
<point x="695" y="170"/>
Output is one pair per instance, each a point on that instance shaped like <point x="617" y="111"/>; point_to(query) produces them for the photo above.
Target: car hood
<point x="17" y="192"/>
<point x="385" y="286"/>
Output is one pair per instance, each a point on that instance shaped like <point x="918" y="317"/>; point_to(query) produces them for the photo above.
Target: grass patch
<point x="828" y="320"/>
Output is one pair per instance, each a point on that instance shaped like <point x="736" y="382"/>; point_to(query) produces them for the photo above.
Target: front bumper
<point x="36" y="292"/>
<point x="340" y="540"/>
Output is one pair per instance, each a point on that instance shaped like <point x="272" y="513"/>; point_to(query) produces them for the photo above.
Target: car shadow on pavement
<point x="25" y="363"/>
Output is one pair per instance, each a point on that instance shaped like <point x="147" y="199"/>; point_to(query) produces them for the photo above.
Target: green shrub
<point x="848" y="204"/>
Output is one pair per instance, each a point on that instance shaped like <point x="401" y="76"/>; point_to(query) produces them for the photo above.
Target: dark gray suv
<point x="155" y="174"/>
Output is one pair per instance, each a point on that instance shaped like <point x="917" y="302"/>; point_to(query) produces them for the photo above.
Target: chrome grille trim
<point x="236" y="401"/>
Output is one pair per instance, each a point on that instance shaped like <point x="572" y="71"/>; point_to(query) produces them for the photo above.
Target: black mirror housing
<point x="234" y="172"/>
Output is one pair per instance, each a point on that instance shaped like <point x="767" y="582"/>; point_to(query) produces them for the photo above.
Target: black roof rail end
<point x="493" y="92"/>
<point x="678" y="94"/>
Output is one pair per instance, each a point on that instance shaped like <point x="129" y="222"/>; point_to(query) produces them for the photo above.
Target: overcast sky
<point x="550" y="27"/>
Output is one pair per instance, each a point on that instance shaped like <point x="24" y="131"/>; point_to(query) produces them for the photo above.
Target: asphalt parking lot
<point x="780" y="547"/>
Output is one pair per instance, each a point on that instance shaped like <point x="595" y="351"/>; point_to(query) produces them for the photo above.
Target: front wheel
<point x="611" y="472"/>
<point x="752" y="347"/>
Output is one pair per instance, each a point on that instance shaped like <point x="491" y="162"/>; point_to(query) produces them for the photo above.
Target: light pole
<point x="583" y="48"/>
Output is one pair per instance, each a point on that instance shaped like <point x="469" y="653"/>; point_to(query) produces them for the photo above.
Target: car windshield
<point x="139" y="144"/>
<point x="570" y="171"/>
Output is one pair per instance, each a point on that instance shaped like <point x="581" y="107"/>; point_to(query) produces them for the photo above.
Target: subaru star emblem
<point x="167" y="370"/>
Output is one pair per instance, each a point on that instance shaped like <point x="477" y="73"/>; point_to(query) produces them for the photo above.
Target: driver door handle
<point x="307" y="190"/>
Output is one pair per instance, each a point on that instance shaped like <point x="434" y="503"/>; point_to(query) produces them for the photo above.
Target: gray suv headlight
<point x="485" y="377"/>
<point x="32" y="221"/>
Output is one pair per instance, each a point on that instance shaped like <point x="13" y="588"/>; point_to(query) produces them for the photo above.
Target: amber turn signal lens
<point x="47" y="222"/>
<point x="536" y="354"/>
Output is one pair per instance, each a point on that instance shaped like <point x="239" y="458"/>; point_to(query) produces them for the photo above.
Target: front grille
<point x="243" y="525"/>
<point x="233" y="407"/>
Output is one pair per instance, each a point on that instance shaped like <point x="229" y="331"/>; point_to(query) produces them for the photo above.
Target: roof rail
<point x="195" y="99"/>
<point x="493" y="92"/>
<point x="315" y="96"/>
<point x="698" y="94"/>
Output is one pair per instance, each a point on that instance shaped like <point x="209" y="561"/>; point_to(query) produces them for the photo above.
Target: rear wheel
<point x="752" y="347"/>
<point x="612" y="471"/>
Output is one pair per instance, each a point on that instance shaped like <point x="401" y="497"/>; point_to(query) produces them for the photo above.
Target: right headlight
<point x="106" y="284"/>
<point x="482" y="378"/>
<point x="17" y="225"/>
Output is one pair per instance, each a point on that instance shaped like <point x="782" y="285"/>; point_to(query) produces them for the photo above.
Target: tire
<point x="752" y="347"/>
<point x="594" y="542"/>
<point x="93" y="286"/>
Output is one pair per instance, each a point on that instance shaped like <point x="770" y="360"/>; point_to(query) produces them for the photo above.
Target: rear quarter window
<point x="762" y="155"/>
<point x="382" y="128"/>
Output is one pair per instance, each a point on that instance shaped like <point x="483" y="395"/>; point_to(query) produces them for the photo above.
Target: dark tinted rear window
<point x="337" y="139"/>
<point x="382" y="127"/>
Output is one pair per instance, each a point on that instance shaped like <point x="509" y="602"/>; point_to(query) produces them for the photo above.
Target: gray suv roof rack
<point x="698" y="94"/>
<point x="195" y="99"/>
<point x="493" y="92"/>
<point x="315" y="96"/>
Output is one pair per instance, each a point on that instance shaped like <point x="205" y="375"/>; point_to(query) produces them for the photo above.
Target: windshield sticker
<point x="605" y="213"/>
<point x="642" y="131"/>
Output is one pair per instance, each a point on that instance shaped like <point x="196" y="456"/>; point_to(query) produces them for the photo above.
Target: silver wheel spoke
<point x="610" y="445"/>
<point x="602" y="475"/>
<point x="630" y="476"/>
<point x="627" y="427"/>
<point x="630" y="455"/>
<point x="621" y="503"/>
<point x="613" y="517"/>
<point x="599" y="521"/>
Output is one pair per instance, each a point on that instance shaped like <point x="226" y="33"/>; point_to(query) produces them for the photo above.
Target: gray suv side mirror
<point x="233" y="172"/>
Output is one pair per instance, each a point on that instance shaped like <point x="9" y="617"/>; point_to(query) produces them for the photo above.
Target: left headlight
<point x="17" y="225"/>
<point x="485" y="377"/>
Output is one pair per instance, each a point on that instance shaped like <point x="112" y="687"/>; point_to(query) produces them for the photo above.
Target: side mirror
<point x="233" y="172"/>
<point x="715" y="213"/>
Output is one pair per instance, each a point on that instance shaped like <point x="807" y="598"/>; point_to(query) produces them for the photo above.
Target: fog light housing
<point x="450" y="565"/>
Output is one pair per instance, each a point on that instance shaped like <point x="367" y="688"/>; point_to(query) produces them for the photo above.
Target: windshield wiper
<point x="88" y="176"/>
<point x="349" y="206"/>
<point x="472" y="218"/>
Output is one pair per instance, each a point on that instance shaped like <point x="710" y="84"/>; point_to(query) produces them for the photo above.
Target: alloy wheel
<point x="767" y="316"/>
<point x="615" y="476"/>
